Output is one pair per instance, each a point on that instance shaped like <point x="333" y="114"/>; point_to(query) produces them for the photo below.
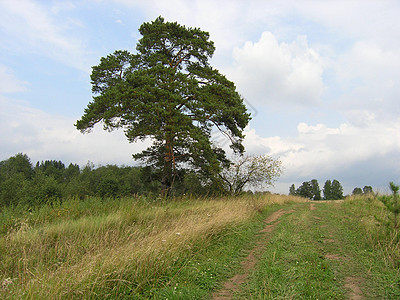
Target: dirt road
<point x="314" y="251"/>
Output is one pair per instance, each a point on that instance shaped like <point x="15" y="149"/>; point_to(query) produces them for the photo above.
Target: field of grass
<point x="138" y="248"/>
<point x="328" y="250"/>
<point x="128" y="247"/>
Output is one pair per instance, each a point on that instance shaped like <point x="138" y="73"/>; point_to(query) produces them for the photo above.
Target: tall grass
<point x="378" y="225"/>
<point x="98" y="248"/>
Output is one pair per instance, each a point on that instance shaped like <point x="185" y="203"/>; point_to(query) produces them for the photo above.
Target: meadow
<point x="187" y="248"/>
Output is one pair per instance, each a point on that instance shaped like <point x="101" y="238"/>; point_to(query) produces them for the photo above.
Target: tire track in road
<point x="233" y="284"/>
<point x="352" y="283"/>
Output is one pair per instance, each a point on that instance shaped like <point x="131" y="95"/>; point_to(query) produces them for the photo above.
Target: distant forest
<point x="22" y="183"/>
<point x="332" y="190"/>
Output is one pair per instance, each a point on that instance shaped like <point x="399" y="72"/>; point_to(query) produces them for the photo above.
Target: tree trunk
<point x="167" y="179"/>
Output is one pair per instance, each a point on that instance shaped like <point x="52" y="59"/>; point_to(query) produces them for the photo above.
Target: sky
<point x="321" y="79"/>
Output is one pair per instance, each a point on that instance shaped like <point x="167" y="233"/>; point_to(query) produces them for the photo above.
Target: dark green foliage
<point x="168" y="92"/>
<point x="327" y="189"/>
<point x="305" y="190"/>
<point x="308" y="189"/>
<point x="193" y="185"/>
<point x="50" y="182"/>
<point x="14" y="174"/>
<point x="357" y="191"/>
<point x="333" y="190"/>
<point x="367" y="189"/>
<point x="18" y="164"/>
<point x="392" y="203"/>
<point x="51" y="168"/>
<point x="315" y="190"/>
<point x="44" y="189"/>
<point x="292" y="190"/>
<point x="12" y="189"/>
<point x="108" y="187"/>
<point x="336" y="190"/>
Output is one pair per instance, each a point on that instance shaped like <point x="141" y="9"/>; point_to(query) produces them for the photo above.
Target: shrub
<point x="392" y="203"/>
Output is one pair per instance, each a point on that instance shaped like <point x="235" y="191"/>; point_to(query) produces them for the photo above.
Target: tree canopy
<point x="333" y="190"/>
<point x="251" y="171"/>
<point x="168" y="92"/>
<point x="308" y="189"/>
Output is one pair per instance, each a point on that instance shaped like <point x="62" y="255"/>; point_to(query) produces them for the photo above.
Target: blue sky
<point x="321" y="79"/>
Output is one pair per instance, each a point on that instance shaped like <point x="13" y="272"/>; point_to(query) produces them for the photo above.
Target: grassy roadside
<point x="128" y="248"/>
<point x="326" y="253"/>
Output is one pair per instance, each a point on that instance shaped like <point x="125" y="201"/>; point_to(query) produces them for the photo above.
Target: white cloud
<point x="216" y="17"/>
<point x="45" y="136"/>
<point x="367" y="76"/>
<point x="281" y="50"/>
<point x="322" y="152"/>
<point x="269" y="72"/>
<point x="371" y="20"/>
<point x="62" y="6"/>
<point x="361" y="118"/>
<point x="275" y="146"/>
<point x="37" y="29"/>
<point x="368" y="61"/>
<point x="9" y="83"/>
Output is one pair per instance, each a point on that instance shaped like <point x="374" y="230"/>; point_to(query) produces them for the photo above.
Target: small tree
<point x="292" y="190"/>
<point x="308" y="189"/>
<point x="367" y="190"/>
<point x="327" y="190"/>
<point x="357" y="191"/>
<point x="305" y="190"/>
<point x="392" y="203"/>
<point x="315" y="190"/>
<point x="17" y="164"/>
<point x="336" y="190"/>
<point x="253" y="171"/>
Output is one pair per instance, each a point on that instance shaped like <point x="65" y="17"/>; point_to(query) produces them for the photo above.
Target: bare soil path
<point x="233" y="284"/>
<point x="315" y="252"/>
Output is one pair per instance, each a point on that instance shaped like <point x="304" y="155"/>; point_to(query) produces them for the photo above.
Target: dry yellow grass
<point x="128" y="246"/>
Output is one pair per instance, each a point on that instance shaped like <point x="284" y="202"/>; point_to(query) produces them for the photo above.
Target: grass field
<point x="326" y="251"/>
<point x="137" y="248"/>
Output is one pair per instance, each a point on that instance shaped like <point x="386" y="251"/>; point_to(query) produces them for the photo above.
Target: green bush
<point x="44" y="189"/>
<point x="392" y="203"/>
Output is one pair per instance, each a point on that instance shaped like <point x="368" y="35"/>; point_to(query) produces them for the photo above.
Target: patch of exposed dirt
<point x="329" y="241"/>
<point x="352" y="284"/>
<point x="233" y="284"/>
<point x="312" y="206"/>
<point x="269" y="228"/>
<point x="334" y="256"/>
<point x="275" y="216"/>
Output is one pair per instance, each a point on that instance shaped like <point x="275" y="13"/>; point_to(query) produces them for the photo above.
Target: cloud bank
<point x="325" y="71"/>
<point x="269" y="72"/>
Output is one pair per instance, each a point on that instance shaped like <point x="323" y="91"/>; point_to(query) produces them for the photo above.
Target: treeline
<point x="22" y="183"/>
<point x="332" y="190"/>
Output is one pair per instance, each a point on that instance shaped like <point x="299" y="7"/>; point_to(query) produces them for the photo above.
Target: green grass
<point x="313" y="254"/>
<point x="292" y="266"/>
<point x="127" y="248"/>
<point x="141" y="248"/>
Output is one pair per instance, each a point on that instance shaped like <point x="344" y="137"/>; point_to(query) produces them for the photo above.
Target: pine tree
<point x="316" y="190"/>
<point x="169" y="93"/>
<point x="336" y="190"/>
<point x="292" y="190"/>
<point x="327" y="189"/>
